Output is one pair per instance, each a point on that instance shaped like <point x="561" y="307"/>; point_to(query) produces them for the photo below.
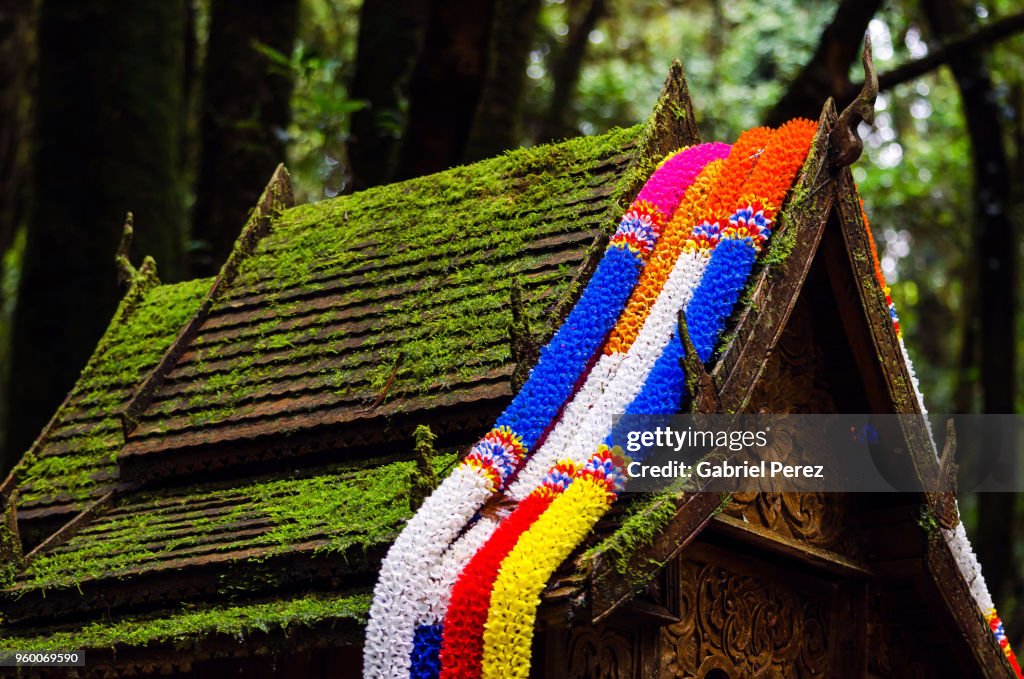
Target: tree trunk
<point x="496" y="123"/>
<point x="245" y="110"/>
<point x="17" y="50"/>
<point x="827" y="73"/>
<point x="107" y="140"/>
<point x="391" y="35"/>
<point x="567" y="71"/>
<point x="446" y="85"/>
<point x="995" y="253"/>
<point x="15" y="63"/>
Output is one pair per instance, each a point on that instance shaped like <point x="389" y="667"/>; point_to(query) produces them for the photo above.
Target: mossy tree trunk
<point x="499" y="111"/>
<point x="17" y="50"/>
<point x="827" y="72"/>
<point x="244" y="112"/>
<point x="445" y="86"/>
<point x="107" y="140"/>
<point x="390" y="38"/>
<point x="444" y="80"/>
<point x="568" y="66"/>
<point x="995" y="255"/>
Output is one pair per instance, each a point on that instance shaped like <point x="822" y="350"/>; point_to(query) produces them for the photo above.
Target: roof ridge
<point x="276" y="197"/>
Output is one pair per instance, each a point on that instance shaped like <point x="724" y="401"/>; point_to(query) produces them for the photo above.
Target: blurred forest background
<point x="178" y="110"/>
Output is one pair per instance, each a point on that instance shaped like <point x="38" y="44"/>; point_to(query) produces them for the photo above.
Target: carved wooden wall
<point x="738" y="616"/>
<point x="744" y="611"/>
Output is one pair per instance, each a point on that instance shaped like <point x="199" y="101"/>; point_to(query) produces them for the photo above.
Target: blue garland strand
<point x="426" y="652"/>
<point x="566" y="356"/>
<point x="713" y="301"/>
<point x="717" y="293"/>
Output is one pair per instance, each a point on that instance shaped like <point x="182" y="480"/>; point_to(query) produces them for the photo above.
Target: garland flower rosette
<point x="956" y="538"/>
<point x="525" y="571"/>
<point x="412" y="563"/>
<point x="662" y="193"/>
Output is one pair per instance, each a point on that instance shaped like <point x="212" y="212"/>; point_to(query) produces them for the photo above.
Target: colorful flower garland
<point x="508" y="632"/>
<point x="664" y="191"/>
<point x="553" y="536"/>
<point x="646" y="324"/>
<point x="462" y="646"/>
<point x="482" y="570"/>
<point x="956" y="538"/>
<point x="408" y="573"/>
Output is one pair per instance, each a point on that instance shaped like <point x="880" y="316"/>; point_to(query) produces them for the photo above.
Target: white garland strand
<point x="956" y="538"/>
<point x="397" y="606"/>
<point x="443" y="576"/>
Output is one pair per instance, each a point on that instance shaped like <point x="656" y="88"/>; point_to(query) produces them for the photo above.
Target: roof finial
<point x="845" y="145"/>
<point x="125" y="271"/>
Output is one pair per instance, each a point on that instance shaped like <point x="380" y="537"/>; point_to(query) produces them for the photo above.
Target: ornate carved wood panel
<point x="601" y="652"/>
<point x="743" y="619"/>
<point x="793" y="383"/>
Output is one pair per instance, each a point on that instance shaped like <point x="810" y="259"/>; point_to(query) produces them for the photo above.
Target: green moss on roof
<point x="419" y="273"/>
<point x="354" y="508"/>
<point x="502" y="201"/>
<point x="86" y="435"/>
<point x="644" y="522"/>
<point x="190" y="626"/>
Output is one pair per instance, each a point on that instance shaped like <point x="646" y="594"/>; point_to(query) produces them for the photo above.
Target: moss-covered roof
<point x="74" y="460"/>
<point x="191" y="624"/>
<point x="343" y="511"/>
<point x="397" y="297"/>
<point x="351" y="313"/>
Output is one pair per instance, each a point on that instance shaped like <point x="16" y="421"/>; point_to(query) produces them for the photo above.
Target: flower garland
<point x="480" y="573"/>
<point x="427" y="638"/>
<point x="645" y="326"/>
<point x="741" y="238"/>
<point x="508" y="632"/>
<point x="405" y="581"/>
<point x="997" y="629"/>
<point x="462" y="646"/>
<point x="664" y="191"/>
<point x="956" y="538"/>
<point x="553" y="536"/>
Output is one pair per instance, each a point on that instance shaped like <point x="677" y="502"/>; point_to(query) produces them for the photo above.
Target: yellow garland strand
<point x="508" y="633"/>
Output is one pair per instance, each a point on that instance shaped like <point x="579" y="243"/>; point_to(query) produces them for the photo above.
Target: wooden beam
<point x="816" y="557"/>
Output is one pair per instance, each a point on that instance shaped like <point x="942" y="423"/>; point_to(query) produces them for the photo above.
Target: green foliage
<point x="738" y="58"/>
<point x="321" y="66"/>
<point x="190" y="626"/>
